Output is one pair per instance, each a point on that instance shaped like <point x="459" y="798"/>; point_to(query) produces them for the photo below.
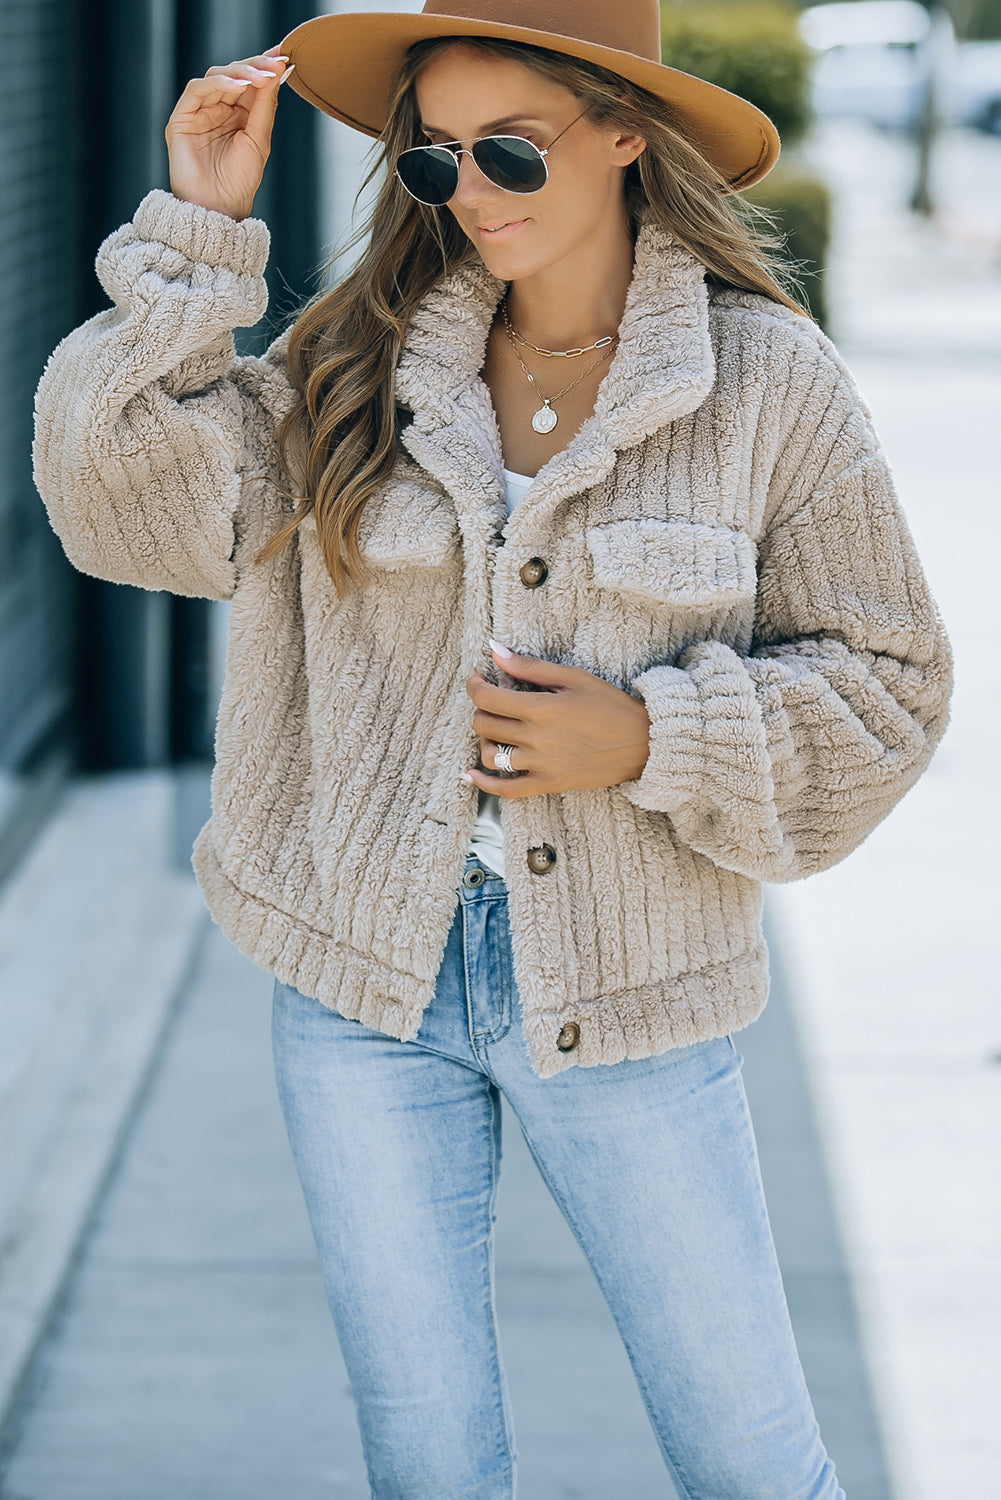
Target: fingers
<point x="527" y="784"/>
<point x="213" y="90"/>
<point x="199" y="91"/>
<point x="238" y="83"/>
<point x="500" y="730"/>
<point x="266" y="59"/>
<point x="488" y="754"/>
<point x="547" y="674"/>
<point x="491" y="749"/>
<point x="488" y="696"/>
<point x="270" y="62"/>
<point x="265" y="70"/>
<point x="261" y="71"/>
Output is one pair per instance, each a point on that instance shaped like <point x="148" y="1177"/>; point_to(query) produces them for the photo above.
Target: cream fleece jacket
<point x="723" y="540"/>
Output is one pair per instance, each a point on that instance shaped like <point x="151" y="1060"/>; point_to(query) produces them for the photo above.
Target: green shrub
<point x="753" y="50"/>
<point x="979" y="21"/>
<point x="801" y="205"/>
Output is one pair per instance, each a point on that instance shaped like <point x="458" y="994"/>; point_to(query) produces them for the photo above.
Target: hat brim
<point x="345" y="64"/>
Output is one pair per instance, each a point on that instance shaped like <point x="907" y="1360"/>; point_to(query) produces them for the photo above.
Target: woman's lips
<point x="503" y="232"/>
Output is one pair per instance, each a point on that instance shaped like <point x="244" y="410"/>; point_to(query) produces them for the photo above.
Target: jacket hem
<point x="654" y="1018"/>
<point x="633" y="1024"/>
<point x="352" y="983"/>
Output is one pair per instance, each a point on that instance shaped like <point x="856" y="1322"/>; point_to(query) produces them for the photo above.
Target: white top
<point x="488" y="841"/>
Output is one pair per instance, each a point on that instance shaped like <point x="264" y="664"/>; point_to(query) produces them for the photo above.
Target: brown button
<point x="541" y="860"/>
<point x="534" y="572"/>
<point x="569" y="1036"/>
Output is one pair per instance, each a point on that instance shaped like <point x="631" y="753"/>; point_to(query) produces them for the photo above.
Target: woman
<point x="571" y="601"/>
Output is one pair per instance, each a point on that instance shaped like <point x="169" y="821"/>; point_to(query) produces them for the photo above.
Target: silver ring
<point x="502" y="760"/>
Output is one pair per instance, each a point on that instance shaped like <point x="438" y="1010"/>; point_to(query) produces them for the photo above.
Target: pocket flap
<point x="406" y="525"/>
<point x="681" y="564"/>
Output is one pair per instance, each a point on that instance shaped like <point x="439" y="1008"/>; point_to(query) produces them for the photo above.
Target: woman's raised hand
<point x="219" y="134"/>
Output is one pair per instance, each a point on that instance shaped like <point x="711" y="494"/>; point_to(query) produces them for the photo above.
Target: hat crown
<point x="625" y="25"/>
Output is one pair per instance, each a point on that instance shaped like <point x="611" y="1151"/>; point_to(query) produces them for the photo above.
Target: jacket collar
<point x="663" y="368"/>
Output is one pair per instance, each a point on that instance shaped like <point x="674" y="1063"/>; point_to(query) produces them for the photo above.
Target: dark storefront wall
<point x="39" y="249"/>
<point x="97" y="676"/>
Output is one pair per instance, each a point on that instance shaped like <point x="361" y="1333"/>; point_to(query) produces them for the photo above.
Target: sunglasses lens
<point x="429" y="173"/>
<point x="511" y="163"/>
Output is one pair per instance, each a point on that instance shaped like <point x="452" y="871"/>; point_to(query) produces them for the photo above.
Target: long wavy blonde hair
<point x="338" y="443"/>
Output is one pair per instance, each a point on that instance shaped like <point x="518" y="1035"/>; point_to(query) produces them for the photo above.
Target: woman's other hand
<point x="581" y="732"/>
<point x="219" y="134"/>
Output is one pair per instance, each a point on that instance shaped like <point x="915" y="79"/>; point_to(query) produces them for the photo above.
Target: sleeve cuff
<point x="672" y="702"/>
<point x="708" y="743"/>
<point x="202" y="234"/>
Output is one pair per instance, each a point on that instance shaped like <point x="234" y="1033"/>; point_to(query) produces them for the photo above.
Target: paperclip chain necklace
<point x="552" y="353"/>
<point x="545" y="418"/>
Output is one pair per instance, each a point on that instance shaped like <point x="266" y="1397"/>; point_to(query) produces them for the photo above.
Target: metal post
<point x="936" y="58"/>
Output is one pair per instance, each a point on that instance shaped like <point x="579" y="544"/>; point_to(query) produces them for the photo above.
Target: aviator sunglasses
<point x="431" y="173"/>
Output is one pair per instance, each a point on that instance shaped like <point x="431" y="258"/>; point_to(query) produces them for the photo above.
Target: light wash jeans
<point x="652" y="1162"/>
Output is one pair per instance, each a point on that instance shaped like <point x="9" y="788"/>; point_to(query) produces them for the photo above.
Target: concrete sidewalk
<point x="895" y="953"/>
<point x="96" y="931"/>
<point x="196" y="1360"/>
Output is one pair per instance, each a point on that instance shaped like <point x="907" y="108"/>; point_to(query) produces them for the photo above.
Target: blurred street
<point x="163" y="1255"/>
<point x="893" y="955"/>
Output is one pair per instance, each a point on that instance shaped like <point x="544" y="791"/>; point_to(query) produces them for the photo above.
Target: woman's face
<point x="463" y="93"/>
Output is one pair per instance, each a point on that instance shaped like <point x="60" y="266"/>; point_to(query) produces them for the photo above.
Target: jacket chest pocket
<point x="408" y="525"/>
<point x="402" y="527"/>
<point x="658" y="587"/>
<point x="673" y="567"/>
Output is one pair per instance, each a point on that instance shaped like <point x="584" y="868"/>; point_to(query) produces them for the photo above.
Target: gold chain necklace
<point x="545" y="418"/>
<point x="551" y="353"/>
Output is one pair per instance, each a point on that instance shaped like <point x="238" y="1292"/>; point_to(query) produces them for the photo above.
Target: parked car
<point x="872" y="58"/>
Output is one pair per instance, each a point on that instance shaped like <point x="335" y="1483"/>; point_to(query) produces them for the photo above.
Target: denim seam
<point x="465" y="982"/>
<point x="505" y="982"/>
<point x="510" y="1457"/>
<point x="475" y="1037"/>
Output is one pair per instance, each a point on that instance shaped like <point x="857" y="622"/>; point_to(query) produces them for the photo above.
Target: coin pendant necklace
<point x="545" y="419"/>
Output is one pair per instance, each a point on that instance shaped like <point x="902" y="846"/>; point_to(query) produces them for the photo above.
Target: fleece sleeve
<point x="140" y="418"/>
<point x="778" y="763"/>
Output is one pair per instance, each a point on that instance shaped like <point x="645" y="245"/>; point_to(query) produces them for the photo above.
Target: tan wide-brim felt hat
<point x="344" y="65"/>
